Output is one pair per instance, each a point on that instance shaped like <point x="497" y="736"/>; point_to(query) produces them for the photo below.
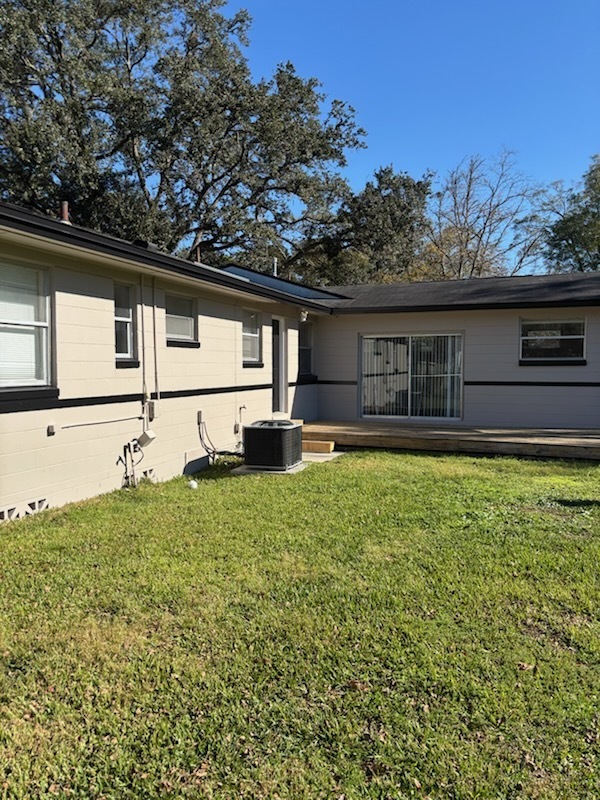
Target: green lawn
<point x="382" y="626"/>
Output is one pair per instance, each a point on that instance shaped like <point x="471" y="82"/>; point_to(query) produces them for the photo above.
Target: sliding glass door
<point x="412" y="376"/>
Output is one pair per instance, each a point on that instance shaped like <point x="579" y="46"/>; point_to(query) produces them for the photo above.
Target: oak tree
<point x="484" y="219"/>
<point x="143" y="115"/>
<point x="573" y="238"/>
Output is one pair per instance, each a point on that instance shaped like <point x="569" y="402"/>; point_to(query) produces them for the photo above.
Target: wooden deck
<point x="533" y="442"/>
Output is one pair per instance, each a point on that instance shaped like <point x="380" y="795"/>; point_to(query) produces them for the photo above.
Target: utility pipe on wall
<point x="156" y="385"/>
<point x="143" y="353"/>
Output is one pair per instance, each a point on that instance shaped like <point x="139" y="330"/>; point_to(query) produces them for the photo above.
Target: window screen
<point x="23" y="327"/>
<point x="181" y="320"/>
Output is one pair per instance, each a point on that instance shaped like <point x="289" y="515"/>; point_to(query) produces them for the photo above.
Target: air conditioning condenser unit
<point x="274" y="444"/>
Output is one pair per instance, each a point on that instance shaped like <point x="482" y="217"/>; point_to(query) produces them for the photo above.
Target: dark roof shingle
<point x="526" y="291"/>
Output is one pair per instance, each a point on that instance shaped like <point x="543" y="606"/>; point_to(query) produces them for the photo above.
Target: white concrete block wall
<point x="99" y="405"/>
<point x="80" y="459"/>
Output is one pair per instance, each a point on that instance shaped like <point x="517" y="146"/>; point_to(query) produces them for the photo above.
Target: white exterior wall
<point x="99" y="407"/>
<point x="520" y="396"/>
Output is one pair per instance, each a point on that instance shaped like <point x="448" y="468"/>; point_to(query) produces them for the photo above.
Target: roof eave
<point x="465" y="307"/>
<point x="29" y="223"/>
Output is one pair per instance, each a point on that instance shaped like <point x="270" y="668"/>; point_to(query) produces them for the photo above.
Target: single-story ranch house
<point x="102" y="340"/>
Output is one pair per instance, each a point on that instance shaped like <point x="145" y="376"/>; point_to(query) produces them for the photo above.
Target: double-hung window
<point x="251" y="338"/>
<point x="305" y="343"/>
<point x="124" y="323"/>
<point x="24" y="340"/>
<point x="552" y="342"/>
<point x="180" y="321"/>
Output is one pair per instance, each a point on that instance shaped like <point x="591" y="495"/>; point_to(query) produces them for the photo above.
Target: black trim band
<point x="25" y="403"/>
<point x="203" y="392"/>
<point x="19" y="401"/>
<point x="253" y="364"/>
<point x="567" y="384"/>
<point x="303" y="380"/>
<point x="338" y="383"/>
<point x="183" y="343"/>
<point x="127" y="363"/>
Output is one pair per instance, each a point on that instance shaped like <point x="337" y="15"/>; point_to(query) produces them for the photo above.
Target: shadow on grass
<point x="222" y="469"/>
<point x="583" y="463"/>
<point x="567" y="503"/>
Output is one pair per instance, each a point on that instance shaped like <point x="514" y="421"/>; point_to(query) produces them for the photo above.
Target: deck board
<point x="537" y="442"/>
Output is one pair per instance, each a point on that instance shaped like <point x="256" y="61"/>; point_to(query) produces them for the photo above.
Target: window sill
<point x="127" y="363"/>
<point x="183" y="343"/>
<point x="253" y="364"/>
<point x="28" y="392"/>
<point x="558" y="362"/>
<point x="27" y="398"/>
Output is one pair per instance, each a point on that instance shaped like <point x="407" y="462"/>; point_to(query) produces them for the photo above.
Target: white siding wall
<point x="491" y="355"/>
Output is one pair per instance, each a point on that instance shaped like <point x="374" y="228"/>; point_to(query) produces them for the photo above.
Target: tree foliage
<point x="375" y="235"/>
<point x="386" y="221"/>
<point x="573" y="239"/>
<point x="143" y="115"/>
<point x="484" y="219"/>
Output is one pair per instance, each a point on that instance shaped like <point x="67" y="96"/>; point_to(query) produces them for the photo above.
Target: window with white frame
<point x="251" y="337"/>
<point x="124" y="327"/>
<point x="24" y="339"/>
<point x="552" y="341"/>
<point x="305" y="343"/>
<point x="181" y="318"/>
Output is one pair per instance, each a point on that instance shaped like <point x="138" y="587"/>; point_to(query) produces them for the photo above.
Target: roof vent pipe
<point x="64" y="212"/>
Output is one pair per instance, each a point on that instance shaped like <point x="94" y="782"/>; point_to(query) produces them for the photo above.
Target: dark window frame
<point x="129" y="359"/>
<point x="257" y="360"/>
<point x="305" y="349"/>
<point x="549" y="355"/>
<point x="177" y="340"/>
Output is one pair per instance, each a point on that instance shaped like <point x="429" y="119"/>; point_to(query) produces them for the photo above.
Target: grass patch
<point x="382" y="626"/>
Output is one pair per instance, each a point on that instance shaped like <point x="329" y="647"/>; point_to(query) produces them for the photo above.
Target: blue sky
<point x="433" y="82"/>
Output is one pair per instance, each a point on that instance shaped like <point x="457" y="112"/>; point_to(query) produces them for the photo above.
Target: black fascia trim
<point x="127" y="363"/>
<point x="253" y="364"/>
<point x="558" y="362"/>
<point x="567" y="384"/>
<point x="30" y="222"/>
<point x="485" y="306"/>
<point x="183" y="343"/>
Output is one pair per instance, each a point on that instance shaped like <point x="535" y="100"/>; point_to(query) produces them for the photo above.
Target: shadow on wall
<point x="306" y="403"/>
<point x="196" y="465"/>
